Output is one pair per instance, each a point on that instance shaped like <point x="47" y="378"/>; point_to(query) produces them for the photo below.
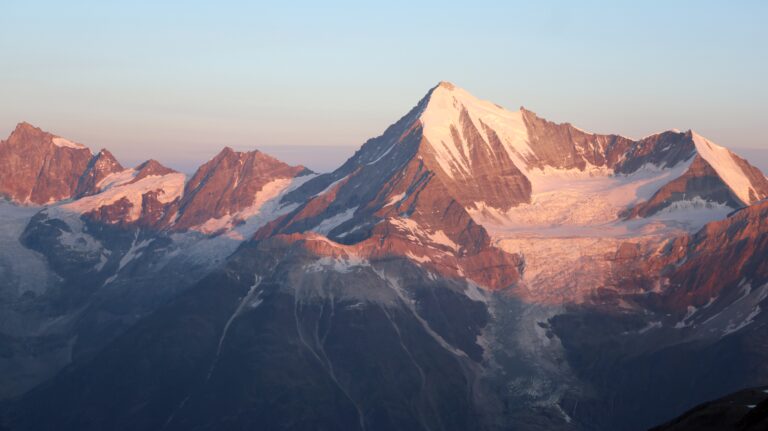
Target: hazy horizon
<point x="179" y="83"/>
<point x="326" y="158"/>
<point x="319" y="158"/>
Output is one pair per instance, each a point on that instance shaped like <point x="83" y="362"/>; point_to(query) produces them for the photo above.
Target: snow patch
<point x="268" y="192"/>
<point x="327" y="225"/>
<point x="414" y="232"/>
<point x="439" y="237"/>
<point x="205" y="250"/>
<point x="116" y="179"/>
<point x="61" y="142"/>
<point x="415" y="258"/>
<point x="686" y="319"/>
<point x="331" y="186"/>
<point x="169" y="187"/>
<point x="134" y="252"/>
<point x="650" y="326"/>
<point x="395" y="199"/>
<point x="382" y="156"/>
<point x="343" y="265"/>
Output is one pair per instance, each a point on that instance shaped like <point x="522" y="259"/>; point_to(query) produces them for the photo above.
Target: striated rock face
<point x="392" y="199"/>
<point x="454" y="163"/>
<point x="664" y="150"/>
<point x="467" y="269"/>
<point x="229" y="184"/>
<point x="719" y="260"/>
<point x="37" y="167"/>
<point x="562" y="146"/>
<point x="99" y="167"/>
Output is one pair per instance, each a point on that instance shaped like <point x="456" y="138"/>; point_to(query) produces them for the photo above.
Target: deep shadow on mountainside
<point x="745" y="410"/>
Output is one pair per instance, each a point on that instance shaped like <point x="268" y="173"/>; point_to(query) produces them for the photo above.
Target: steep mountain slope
<point x="101" y="166"/>
<point x="388" y="199"/>
<point x="636" y="342"/>
<point x="739" y="243"/>
<point x="460" y="173"/>
<point x="470" y="268"/>
<point x="37" y="167"/>
<point x="299" y="317"/>
<point x="230" y="188"/>
<point x="79" y="272"/>
<point x="282" y="339"/>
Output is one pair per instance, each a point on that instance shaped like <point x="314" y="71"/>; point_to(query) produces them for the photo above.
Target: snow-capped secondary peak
<point x="743" y="179"/>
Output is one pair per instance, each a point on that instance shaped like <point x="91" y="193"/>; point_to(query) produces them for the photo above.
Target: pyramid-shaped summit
<point x="453" y="150"/>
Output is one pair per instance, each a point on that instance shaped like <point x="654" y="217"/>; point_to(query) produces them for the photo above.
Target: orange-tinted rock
<point x="719" y="258"/>
<point x="151" y="168"/>
<point x="227" y="184"/>
<point x="135" y="204"/>
<point x="699" y="181"/>
<point x="37" y="167"/>
<point x="99" y="167"/>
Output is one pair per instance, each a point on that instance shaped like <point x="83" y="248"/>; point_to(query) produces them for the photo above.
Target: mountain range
<point x="472" y="267"/>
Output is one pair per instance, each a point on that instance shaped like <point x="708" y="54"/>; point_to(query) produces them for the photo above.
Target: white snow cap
<point x="61" y="142"/>
<point x="444" y="109"/>
<point x="722" y="161"/>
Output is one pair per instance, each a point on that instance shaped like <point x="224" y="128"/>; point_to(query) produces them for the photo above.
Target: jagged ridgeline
<point x="471" y="268"/>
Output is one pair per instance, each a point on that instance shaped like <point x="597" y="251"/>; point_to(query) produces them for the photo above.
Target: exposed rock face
<point x="99" y="167"/>
<point x="562" y="146"/>
<point x="228" y="184"/>
<point x="142" y="196"/>
<point x="391" y="198"/>
<point x="700" y="182"/>
<point x="665" y="150"/>
<point x="37" y="167"/>
<point x="150" y="168"/>
<point x="738" y="243"/>
<point x="453" y="153"/>
<point x="378" y="297"/>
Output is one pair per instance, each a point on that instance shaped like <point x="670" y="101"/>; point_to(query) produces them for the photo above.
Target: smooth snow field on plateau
<point x="572" y="203"/>
<point x="570" y="232"/>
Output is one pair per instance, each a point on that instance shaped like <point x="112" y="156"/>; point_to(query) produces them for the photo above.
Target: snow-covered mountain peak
<point x="455" y="122"/>
<point x="733" y="170"/>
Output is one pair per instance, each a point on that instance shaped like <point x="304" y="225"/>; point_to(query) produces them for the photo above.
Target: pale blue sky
<point x="180" y="80"/>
